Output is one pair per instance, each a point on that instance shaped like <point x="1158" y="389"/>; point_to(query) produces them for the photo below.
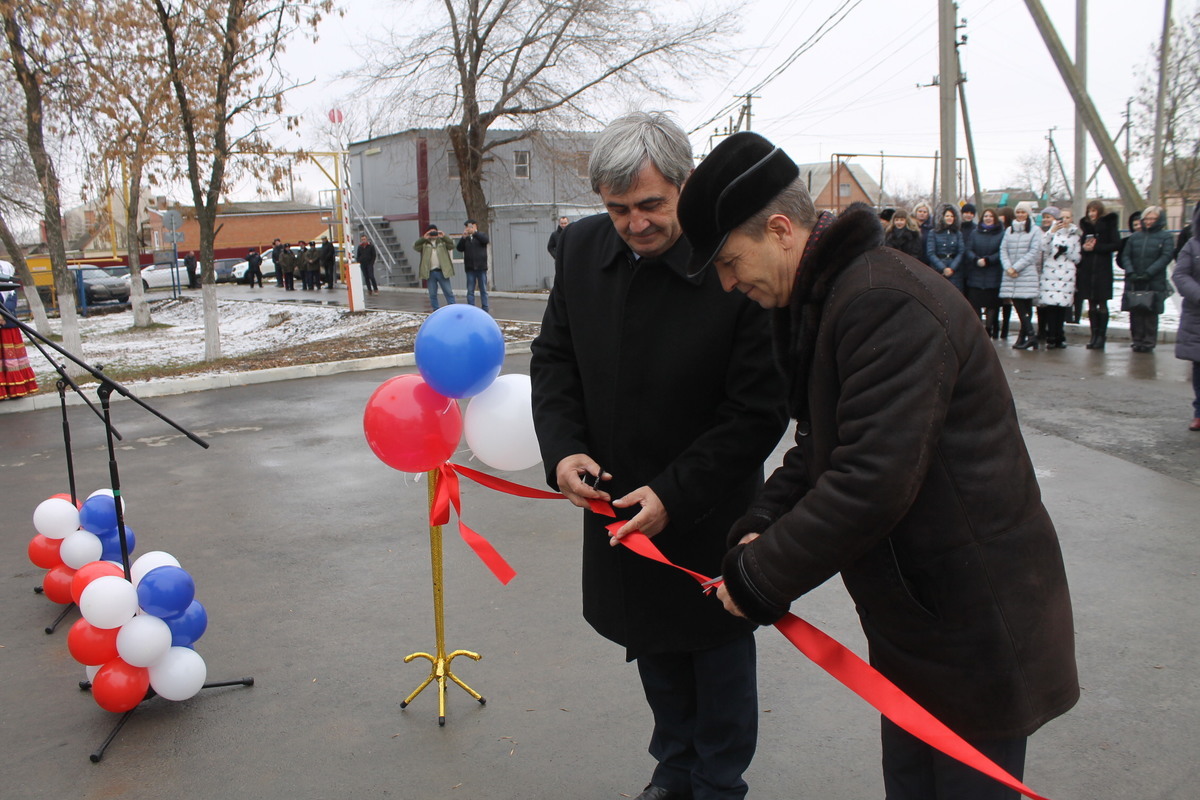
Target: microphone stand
<point x="104" y="393"/>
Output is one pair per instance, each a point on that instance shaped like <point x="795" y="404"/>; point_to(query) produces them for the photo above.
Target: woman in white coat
<point x="1021" y="258"/>
<point x="1061" y="254"/>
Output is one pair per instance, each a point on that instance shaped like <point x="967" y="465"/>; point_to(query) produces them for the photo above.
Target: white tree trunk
<point x="212" y="322"/>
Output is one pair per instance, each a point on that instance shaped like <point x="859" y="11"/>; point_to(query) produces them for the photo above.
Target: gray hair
<point x="1156" y="210"/>
<point x="630" y="142"/>
<point x="793" y="202"/>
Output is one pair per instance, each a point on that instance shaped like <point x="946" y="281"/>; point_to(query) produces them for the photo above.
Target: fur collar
<point x="855" y="232"/>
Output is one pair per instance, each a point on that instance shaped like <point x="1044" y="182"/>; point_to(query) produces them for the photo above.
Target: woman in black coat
<point x="1094" y="278"/>
<point x="983" y="269"/>
<point x="902" y="233"/>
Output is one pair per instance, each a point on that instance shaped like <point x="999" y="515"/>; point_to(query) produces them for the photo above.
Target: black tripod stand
<point x="104" y="393"/>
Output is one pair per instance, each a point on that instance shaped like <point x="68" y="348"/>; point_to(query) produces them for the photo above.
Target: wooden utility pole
<point x="1130" y="196"/>
<point x="947" y="86"/>
<point x="1164" y="51"/>
<point x="1080" y="194"/>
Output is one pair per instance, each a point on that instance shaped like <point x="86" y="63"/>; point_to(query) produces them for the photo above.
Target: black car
<point x="99" y="286"/>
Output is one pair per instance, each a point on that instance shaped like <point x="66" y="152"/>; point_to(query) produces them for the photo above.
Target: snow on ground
<point x="111" y="340"/>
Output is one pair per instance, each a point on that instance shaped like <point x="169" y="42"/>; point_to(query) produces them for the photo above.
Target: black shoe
<point x="652" y="792"/>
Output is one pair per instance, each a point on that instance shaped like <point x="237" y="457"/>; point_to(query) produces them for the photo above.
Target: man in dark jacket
<point x="328" y="261"/>
<point x="276" y="252"/>
<point x="552" y="243"/>
<point x="253" y="268"/>
<point x="189" y="263"/>
<point x="364" y="254"/>
<point x="473" y="245"/>
<point x="909" y="475"/>
<point x="657" y="390"/>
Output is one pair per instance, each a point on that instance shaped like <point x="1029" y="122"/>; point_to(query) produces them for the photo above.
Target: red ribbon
<point x="861" y="678"/>
<point x="446" y="495"/>
<point x="822" y="649"/>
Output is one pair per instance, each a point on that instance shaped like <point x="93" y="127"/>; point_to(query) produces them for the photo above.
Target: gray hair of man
<point x="793" y="202"/>
<point x="631" y="142"/>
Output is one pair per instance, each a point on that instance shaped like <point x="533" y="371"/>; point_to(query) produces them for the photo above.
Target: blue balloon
<point x="166" y="592"/>
<point x="112" y="543"/>
<point x="188" y="626"/>
<point x="99" y="514"/>
<point x="459" y="350"/>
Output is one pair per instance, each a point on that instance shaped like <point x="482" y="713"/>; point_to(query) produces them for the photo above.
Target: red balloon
<point x="57" y="584"/>
<point x="66" y="497"/>
<point x="92" y="646"/>
<point x="43" y="552"/>
<point x="409" y="426"/>
<point x="119" y="686"/>
<point x="88" y="573"/>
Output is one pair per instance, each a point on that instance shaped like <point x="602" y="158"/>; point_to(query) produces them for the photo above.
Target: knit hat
<point x="1052" y="211"/>
<point x="968" y="208"/>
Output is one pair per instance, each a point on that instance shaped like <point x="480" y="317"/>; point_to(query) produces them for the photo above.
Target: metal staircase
<point x="391" y="267"/>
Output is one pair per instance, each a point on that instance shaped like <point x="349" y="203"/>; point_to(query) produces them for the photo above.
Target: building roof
<point x="816" y="175"/>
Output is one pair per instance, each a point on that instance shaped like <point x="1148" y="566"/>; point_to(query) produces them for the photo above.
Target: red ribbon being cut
<point x="822" y="649"/>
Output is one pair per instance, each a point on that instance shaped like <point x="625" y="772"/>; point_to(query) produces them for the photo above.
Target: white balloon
<point x="108" y="602"/>
<point x="179" y="674"/>
<point x="110" y="493"/>
<point x="56" y="518"/>
<point x="79" y="548"/>
<point x="143" y="640"/>
<point x="499" y="424"/>
<point x="148" y="561"/>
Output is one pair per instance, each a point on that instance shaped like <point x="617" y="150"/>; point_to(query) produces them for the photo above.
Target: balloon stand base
<point x="53" y="626"/>
<point x="99" y="753"/>
<point x="440" y="672"/>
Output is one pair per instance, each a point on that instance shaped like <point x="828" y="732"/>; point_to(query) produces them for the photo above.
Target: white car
<point x="158" y="276"/>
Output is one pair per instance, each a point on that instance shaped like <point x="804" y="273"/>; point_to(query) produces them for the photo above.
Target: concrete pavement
<point x="312" y="559"/>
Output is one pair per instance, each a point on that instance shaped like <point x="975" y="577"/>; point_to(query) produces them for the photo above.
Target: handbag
<point x="1143" y="299"/>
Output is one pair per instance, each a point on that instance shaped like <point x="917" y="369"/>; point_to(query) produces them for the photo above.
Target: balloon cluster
<point x="70" y="536"/>
<point x="413" y="424"/>
<point x="135" y="635"/>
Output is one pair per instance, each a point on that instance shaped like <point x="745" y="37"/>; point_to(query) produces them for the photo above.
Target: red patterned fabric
<point x="16" y="377"/>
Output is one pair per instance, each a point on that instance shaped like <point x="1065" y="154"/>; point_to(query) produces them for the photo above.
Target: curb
<point x="225" y="380"/>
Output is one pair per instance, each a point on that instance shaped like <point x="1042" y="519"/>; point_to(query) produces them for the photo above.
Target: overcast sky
<point x="856" y="90"/>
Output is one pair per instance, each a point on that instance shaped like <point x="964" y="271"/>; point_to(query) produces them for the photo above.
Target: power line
<point x="816" y="36"/>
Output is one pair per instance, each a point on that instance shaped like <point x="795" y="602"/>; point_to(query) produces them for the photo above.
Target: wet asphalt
<point x="312" y="558"/>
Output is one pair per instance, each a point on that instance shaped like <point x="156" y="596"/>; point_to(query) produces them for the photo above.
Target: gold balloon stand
<point x="440" y="663"/>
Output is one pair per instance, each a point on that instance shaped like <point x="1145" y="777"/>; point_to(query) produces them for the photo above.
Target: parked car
<point x="158" y="276"/>
<point x="99" y="286"/>
<point x="223" y="269"/>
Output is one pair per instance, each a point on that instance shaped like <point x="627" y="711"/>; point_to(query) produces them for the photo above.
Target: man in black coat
<point x="276" y="253"/>
<point x="189" y="263"/>
<point x="365" y="254"/>
<point x="656" y="390"/>
<point x="328" y="262"/>
<point x="473" y="245"/>
<point x="253" y="268"/>
<point x="909" y="476"/>
<point x="552" y="243"/>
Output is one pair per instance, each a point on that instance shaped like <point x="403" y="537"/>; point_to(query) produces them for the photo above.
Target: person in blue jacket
<point x="944" y="247"/>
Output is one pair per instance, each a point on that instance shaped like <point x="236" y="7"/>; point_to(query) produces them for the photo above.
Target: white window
<point x="452" y="165"/>
<point x="521" y="163"/>
<point x="844" y="189"/>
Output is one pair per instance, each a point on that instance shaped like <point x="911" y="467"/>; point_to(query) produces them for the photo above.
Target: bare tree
<point x="127" y="101"/>
<point x="534" y="65"/>
<point x="1181" y="112"/>
<point x="19" y="195"/>
<point x="223" y="71"/>
<point x="1035" y="172"/>
<point x="39" y="63"/>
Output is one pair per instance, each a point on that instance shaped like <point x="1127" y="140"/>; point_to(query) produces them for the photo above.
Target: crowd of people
<point x="1047" y="264"/>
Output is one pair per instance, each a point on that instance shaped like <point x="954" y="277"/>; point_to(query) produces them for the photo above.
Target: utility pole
<point x="1130" y="196"/>
<point x="962" y="98"/>
<point x="1164" y="50"/>
<point x="1080" y="194"/>
<point x="947" y="85"/>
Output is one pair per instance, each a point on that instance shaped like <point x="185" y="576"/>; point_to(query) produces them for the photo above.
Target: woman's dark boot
<point x="1101" y="328"/>
<point x="1007" y="313"/>
<point x="1028" y="339"/>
